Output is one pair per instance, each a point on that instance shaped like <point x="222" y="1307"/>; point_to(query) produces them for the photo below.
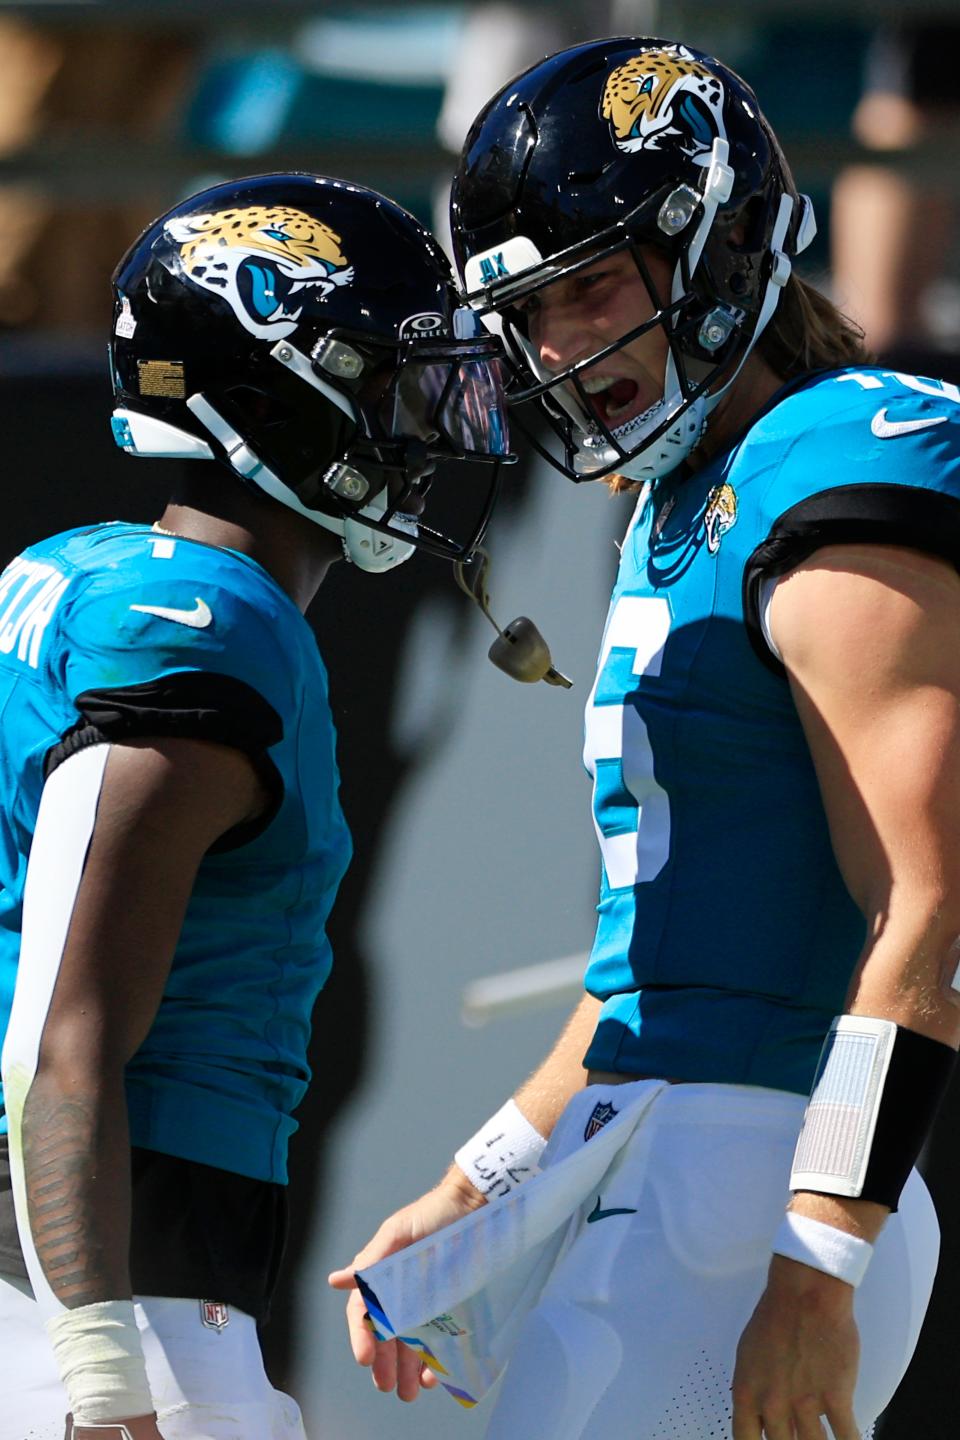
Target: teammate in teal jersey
<point x="774" y="741"/>
<point x="171" y="838"/>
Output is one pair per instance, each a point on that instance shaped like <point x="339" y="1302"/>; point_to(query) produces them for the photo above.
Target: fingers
<point x="809" y="1425"/>
<point x="409" y="1367"/>
<point x="363" y="1342"/>
<point x="342" y="1279"/>
<point x="803" y="1420"/>
<point x="397" y="1367"/>
<point x="393" y="1366"/>
<point x="746" y="1419"/>
<point x="843" y="1422"/>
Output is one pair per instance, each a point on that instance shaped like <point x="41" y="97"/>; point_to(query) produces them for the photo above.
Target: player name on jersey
<point x="30" y="591"/>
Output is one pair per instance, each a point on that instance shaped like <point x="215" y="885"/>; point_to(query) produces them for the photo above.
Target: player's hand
<point x="797" y="1359"/>
<point x="141" y="1427"/>
<point x="394" y="1365"/>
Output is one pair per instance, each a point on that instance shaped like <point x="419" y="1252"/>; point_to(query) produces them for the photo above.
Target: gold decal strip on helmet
<point x="161" y="377"/>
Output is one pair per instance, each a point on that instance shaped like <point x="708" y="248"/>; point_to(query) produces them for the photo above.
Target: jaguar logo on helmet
<point x="264" y="261"/>
<point x="662" y="98"/>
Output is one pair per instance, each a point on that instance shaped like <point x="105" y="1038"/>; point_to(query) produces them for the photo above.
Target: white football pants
<point x="636" y="1330"/>
<point x="207" y="1384"/>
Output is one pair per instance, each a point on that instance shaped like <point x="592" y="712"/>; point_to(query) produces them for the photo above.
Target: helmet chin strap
<point x="368" y="549"/>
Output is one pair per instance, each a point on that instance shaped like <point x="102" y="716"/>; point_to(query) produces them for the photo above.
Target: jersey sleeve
<point x="175" y="657"/>
<point x="879" y="465"/>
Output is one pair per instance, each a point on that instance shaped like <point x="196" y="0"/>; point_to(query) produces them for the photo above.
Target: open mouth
<point x="613" y="399"/>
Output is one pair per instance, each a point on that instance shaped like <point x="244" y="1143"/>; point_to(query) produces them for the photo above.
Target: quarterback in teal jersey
<point x="171" y="838"/>
<point x="773" y="738"/>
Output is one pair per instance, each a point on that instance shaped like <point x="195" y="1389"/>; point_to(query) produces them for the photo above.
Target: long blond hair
<point x="807" y="332"/>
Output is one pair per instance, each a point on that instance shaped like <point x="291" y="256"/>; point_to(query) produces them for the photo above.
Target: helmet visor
<point x="458" y="402"/>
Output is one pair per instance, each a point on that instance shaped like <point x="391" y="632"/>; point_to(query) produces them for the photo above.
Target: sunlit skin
<point x="580" y="314"/>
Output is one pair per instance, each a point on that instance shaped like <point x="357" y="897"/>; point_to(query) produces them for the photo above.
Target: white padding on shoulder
<point x="841" y="1116"/>
<point x="503" y="1154"/>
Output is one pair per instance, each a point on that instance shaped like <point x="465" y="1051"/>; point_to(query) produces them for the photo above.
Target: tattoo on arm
<point x="77" y="1202"/>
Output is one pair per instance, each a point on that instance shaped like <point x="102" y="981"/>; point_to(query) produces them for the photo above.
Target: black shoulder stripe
<point x="927" y="520"/>
<point x="195" y="703"/>
<point x="189" y="704"/>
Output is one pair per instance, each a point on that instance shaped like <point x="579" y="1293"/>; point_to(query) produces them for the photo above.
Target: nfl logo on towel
<point x="214" y="1314"/>
<point x="602" y="1114"/>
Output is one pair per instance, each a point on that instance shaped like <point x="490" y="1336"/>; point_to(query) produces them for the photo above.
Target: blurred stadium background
<point x="475" y="852"/>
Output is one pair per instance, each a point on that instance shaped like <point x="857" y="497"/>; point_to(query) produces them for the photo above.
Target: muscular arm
<point x="161" y="805"/>
<point x="868" y="636"/>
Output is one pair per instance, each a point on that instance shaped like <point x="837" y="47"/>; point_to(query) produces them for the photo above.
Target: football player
<point x="171" y="839"/>
<point x="774" y="741"/>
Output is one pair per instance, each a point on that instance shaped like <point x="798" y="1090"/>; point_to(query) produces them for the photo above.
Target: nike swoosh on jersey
<point x="198" y="618"/>
<point x="597" y="1214"/>
<point x="885" y="429"/>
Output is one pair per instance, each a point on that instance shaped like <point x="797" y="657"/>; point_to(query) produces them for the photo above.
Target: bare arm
<point x="118" y="841"/>
<point x="869" y="639"/>
<point x="161" y="806"/>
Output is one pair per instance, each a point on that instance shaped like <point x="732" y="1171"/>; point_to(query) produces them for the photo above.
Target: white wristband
<point x="503" y="1154"/>
<point x="823" y="1247"/>
<point x="100" y="1357"/>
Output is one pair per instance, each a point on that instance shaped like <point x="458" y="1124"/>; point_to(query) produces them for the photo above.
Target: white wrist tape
<point x="823" y="1247"/>
<point x="503" y="1153"/>
<point x="100" y="1358"/>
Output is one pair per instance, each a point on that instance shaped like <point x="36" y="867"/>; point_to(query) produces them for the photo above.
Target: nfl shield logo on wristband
<point x="602" y="1113"/>
<point x="214" y="1314"/>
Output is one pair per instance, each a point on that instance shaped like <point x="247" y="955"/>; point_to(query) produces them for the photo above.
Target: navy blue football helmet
<point x="609" y="148"/>
<point x="307" y="333"/>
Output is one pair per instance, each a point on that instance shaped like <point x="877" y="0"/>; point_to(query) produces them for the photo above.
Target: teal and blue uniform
<point x="116" y="631"/>
<point x="726" y="937"/>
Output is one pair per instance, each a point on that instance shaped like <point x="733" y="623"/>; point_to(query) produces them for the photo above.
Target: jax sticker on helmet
<point x="664" y="97"/>
<point x="262" y="261"/>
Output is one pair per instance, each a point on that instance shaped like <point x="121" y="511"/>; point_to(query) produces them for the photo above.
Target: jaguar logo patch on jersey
<point x="262" y="261"/>
<point x="720" y="515"/>
<point x="664" y="98"/>
<point x="602" y="1113"/>
<point x="214" y="1314"/>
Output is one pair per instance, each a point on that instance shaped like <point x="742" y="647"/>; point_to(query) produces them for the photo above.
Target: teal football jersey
<point x="726" y="937"/>
<point x="118" y="630"/>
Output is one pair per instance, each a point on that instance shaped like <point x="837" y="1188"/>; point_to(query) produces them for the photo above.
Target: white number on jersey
<point x="30" y="591"/>
<point x="617" y="750"/>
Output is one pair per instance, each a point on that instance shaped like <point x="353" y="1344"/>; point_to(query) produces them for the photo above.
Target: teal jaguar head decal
<point x="262" y="261"/>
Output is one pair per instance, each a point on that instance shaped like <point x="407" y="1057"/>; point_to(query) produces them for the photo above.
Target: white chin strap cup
<point x="368" y="549"/>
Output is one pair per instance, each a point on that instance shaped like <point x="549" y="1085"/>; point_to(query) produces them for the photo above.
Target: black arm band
<point x="877" y="1089"/>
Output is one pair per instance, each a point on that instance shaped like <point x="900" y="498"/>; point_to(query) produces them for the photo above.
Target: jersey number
<point x="631" y="811"/>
